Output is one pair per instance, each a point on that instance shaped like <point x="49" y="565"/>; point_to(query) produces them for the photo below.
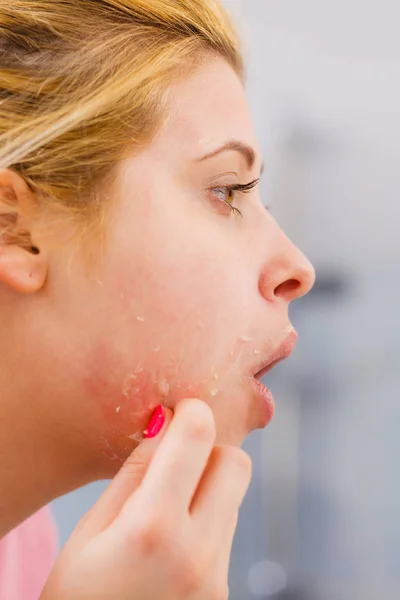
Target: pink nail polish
<point x="156" y="422"/>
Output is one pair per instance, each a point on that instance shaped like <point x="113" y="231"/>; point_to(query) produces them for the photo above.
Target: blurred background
<point x="321" y="520"/>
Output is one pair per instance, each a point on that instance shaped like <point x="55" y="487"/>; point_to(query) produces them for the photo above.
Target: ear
<point x="23" y="265"/>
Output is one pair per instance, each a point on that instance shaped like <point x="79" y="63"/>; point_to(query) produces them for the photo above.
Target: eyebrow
<point x="235" y="145"/>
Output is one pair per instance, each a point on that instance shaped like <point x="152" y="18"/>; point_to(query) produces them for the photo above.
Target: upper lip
<point x="284" y="350"/>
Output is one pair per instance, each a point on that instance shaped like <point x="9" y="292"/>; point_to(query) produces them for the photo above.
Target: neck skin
<point x="45" y="448"/>
<point x="36" y="463"/>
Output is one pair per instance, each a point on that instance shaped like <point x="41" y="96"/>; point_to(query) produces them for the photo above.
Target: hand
<point x="164" y="527"/>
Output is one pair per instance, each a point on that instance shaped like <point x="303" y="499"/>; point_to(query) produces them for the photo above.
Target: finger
<point x="178" y="465"/>
<point x="220" y="494"/>
<point x="125" y="483"/>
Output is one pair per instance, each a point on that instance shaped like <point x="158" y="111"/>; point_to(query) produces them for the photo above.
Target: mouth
<point x="266" y="403"/>
<point x="281" y="353"/>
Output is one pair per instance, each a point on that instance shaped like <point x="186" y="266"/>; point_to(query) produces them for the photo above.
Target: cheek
<point x="185" y="298"/>
<point x="168" y="310"/>
<point x="167" y="326"/>
<point x="120" y="399"/>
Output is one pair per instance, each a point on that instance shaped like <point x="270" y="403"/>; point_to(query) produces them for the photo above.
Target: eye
<point x="227" y="194"/>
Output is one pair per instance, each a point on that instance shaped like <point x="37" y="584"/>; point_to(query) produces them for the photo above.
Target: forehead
<point x="206" y="110"/>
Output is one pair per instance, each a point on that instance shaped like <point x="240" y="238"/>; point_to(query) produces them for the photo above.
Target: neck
<point x="36" y="464"/>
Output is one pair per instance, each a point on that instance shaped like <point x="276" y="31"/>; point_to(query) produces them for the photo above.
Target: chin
<point x="233" y="433"/>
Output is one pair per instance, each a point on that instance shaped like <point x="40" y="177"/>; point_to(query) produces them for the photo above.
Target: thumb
<point x="128" y="478"/>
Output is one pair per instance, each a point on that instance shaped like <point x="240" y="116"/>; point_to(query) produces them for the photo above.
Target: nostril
<point x="287" y="289"/>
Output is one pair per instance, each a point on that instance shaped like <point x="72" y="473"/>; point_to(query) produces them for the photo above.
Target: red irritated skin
<point x="188" y="297"/>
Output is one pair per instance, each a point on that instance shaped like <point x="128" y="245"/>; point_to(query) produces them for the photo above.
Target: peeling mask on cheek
<point x="129" y="398"/>
<point x="240" y="354"/>
<point x="120" y="401"/>
<point x="142" y="391"/>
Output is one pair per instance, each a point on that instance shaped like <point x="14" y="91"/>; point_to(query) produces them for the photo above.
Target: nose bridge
<point x="297" y="260"/>
<point x="287" y="274"/>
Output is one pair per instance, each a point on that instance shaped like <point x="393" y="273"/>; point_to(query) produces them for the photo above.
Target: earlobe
<point x="21" y="270"/>
<point x="23" y="267"/>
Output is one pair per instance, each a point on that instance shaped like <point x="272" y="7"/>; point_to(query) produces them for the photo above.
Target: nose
<point x="287" y="274"/>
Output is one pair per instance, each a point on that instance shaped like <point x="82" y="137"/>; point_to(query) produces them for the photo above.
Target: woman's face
<point x="190" y="299"/>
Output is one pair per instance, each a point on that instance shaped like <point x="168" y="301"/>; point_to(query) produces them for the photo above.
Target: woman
<point x="141" y="279"/>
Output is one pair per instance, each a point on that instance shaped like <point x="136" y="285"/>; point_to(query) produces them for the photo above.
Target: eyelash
<point x="238" y="187"/>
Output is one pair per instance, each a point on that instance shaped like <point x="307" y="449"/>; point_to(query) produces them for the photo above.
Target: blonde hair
<point x="83" y="84"/>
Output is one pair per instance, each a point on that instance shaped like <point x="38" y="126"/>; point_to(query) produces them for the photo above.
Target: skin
<point x="166" y="313"/>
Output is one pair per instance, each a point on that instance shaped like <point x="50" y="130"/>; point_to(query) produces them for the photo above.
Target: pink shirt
<point x="27" y="555"/>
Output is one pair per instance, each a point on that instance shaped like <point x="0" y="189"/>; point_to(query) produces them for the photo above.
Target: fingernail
<point x="156" y="422"/>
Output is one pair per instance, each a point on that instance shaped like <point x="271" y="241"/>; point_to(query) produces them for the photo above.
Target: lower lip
<point x="266" y="402"/>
